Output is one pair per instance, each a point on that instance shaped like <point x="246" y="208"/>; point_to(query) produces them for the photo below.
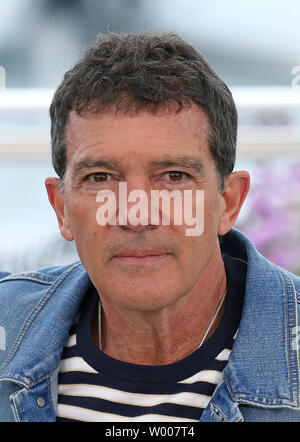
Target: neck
<point x="160" y="337"/>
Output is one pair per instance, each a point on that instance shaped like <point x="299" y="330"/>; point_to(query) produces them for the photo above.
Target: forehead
<point x="150" y="135"/>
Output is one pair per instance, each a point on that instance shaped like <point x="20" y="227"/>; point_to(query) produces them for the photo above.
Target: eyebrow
<point x="84" y="165"/>
<point x="186" y="162"/>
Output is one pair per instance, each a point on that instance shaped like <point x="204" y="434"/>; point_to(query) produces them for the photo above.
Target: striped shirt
<point x="94" y="387"/>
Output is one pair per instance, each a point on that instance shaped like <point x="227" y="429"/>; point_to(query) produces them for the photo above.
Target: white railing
<point x="24" y="120"/>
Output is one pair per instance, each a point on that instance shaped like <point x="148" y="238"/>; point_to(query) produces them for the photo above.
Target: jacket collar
<point x="36" y="352"/>
<point x="263" y="365"/>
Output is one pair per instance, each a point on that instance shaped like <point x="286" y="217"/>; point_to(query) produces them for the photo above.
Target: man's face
<point x="143" y="267"/>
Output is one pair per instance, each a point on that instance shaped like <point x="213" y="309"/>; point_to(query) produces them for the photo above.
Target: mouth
<point x="141" y="256"/>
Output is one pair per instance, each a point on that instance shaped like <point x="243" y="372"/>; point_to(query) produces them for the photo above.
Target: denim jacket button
<point x="40" y="401"/>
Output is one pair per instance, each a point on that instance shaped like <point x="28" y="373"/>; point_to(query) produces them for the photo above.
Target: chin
<point x="145" y="296"/>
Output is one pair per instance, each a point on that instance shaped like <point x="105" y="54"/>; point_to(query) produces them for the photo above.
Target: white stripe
<point x="224" y="355"/>
<point x="137" y="399"/>
<point x="87" y="415"/>
<point x="212" y="376"/>
<point x="75" y="364"/>
<point x="71" y="341"/>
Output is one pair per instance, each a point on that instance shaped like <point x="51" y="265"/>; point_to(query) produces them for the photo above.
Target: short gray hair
<point x="134" y="72"/>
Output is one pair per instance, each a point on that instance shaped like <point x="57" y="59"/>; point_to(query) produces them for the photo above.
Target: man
<point x="154" y="323"/>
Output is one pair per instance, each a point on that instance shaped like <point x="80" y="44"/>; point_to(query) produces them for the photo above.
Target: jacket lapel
<point x="263" y="366"/>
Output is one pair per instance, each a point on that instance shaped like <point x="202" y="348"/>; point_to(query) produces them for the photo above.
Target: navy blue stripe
<point x="94" y="379"/>
<point x="65" y="419"/>
<point x="180" y="411"/>
<point x="70" y="352"/>
<point x="73" y="329"/>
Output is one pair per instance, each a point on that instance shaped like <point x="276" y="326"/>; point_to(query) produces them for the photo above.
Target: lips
<point x="141" y="256"/>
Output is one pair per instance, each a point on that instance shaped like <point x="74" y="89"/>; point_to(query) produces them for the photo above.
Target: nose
<point x="134" y="209"/>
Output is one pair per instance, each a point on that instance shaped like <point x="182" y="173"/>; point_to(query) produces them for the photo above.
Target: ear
<point x="57" y="201"/>
<point x="236" y="188"/>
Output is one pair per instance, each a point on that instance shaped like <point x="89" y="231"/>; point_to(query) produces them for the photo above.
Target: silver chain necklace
<point x="202" y="340"/>
<point x="213" y="319"/>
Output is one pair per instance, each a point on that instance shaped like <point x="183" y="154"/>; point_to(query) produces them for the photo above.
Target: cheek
<point x="196" y="251"/>
<point x="82" y="211"/>
<point x="195" y="254"/>
<point x="83" y="223"/>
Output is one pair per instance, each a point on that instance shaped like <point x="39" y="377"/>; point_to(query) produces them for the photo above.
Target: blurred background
<point x="253" y="45"/>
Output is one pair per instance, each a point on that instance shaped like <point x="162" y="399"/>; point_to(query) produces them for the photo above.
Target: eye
<point x="176" y="176"/>
<point x="99" y="177"/>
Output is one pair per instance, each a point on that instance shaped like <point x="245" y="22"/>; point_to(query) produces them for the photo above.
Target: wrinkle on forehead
<point x="83" y="133"/>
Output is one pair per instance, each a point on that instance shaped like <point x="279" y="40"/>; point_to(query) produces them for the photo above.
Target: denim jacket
<point x="261" y="378"/>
